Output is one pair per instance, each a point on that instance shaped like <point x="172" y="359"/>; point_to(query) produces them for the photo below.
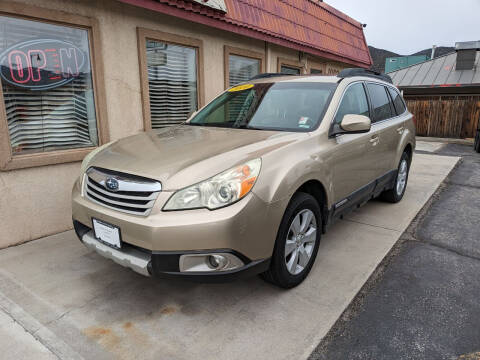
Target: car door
<point x="381" y="152"/>
<point x="353" y="172"/>
<point x="397" y="125"/>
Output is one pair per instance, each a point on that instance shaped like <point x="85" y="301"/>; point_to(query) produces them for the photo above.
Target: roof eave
<point x="444" y="86"/>
<point x="167" y="9"/>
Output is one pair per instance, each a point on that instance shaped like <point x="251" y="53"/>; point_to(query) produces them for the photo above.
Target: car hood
<point x="184" y="155"/>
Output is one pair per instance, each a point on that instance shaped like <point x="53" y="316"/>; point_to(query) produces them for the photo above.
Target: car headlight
<point x="221" y="190"/>
<point x="90" y="155"/>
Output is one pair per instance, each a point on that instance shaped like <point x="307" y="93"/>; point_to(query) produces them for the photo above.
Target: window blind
<point x="58" y="118"/>
<point x="242" y="69"/>
<point x="172" y="81"/>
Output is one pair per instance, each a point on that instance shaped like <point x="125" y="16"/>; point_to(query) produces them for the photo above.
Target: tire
<point x="289" y="270"/>
<point x="476" y="146"/>
<point x="395" y="194"/>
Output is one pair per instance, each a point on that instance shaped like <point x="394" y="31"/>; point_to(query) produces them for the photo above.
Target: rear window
<point x="285" y="106"/>
<point x="397" y="101"/>
<point x="380" y="102"/>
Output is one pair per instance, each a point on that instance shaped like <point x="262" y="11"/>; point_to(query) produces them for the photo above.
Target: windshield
<point x="268" y="106"/>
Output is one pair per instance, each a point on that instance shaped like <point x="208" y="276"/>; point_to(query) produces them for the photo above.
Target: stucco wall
<point x="36" y="202"/>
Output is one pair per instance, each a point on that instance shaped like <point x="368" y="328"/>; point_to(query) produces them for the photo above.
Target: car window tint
<point x="397" y="101"/>
<point x="353" y="102"/>
<point x="380" y="102"/>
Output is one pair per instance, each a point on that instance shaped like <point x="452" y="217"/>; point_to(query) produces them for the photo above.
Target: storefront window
<point x="47" y="86"/>
<point x="242" y="69"/>
<point x="172" y="82"/>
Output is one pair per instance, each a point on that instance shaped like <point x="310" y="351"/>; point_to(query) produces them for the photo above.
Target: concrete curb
<point x="47" y="338"/>
<point x="446" y="140"/>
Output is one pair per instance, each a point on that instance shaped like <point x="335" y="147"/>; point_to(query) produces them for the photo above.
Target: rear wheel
<point x="297" y="242"/>
<point x="395" y="194"/>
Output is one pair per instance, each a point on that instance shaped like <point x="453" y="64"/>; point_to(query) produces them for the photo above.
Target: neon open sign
<point x="41" y="64"/>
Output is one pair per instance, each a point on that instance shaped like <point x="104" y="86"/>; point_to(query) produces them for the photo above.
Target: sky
<point x="408" y="26"/>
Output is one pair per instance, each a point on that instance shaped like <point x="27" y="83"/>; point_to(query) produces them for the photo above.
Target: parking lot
<point x="79" y="305"/>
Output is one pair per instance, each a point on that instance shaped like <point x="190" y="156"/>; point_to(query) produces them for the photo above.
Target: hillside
<point x="379" y="55"/>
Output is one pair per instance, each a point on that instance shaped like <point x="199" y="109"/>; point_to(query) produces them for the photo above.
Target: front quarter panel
<point x="285" y="170"/>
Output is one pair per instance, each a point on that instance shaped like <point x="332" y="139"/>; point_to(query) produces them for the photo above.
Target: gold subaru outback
<point x="250" y="182"/>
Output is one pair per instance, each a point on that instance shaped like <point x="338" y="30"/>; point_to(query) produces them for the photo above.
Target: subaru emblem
<point x="111" y="184"/>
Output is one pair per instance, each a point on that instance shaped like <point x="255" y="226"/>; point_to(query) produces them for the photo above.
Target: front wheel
<point x="297" y="242"/>
<point x="395" y="194"/>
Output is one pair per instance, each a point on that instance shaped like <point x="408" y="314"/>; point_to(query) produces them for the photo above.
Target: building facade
<point x="444" y="93"/>
<point x="78" y="74"/>
<point x="400" y="62"/>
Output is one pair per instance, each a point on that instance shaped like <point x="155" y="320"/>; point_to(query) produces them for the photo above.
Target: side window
<point x="397" y="101"/>
<point x="354" y="102"/>
<point x="380" y="102"/>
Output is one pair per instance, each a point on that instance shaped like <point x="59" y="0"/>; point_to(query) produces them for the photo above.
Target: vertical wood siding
<point x="451" y="116"/>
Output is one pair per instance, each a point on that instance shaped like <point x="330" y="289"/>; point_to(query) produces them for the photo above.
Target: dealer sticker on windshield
<point x="304" y="122"/>
<point x="240" y="87"/>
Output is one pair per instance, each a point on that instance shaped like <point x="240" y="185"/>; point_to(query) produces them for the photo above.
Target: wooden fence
<point x="452" y="116"/>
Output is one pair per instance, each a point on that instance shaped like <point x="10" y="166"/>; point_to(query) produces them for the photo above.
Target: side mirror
<point x="355" y="124"/>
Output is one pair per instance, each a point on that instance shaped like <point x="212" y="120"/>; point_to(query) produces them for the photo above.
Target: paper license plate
<point x="109" y="234"/>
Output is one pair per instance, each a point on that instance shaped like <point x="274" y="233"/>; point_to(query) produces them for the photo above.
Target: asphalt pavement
<point x="422" y="302"/>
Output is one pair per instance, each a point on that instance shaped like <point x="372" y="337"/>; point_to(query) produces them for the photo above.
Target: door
<point x="397" y="124"/>
<point x="383" y="130"/>
<point x="353" y="171"/>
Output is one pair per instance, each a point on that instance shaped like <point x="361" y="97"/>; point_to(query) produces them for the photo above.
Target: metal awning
<point x="439" y="72"/>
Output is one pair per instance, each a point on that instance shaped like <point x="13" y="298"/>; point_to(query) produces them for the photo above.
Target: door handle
<point x="374" y="140"/>
<point x="400" y="130"/>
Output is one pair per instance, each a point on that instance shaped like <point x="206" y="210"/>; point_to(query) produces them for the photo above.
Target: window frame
<point x="9" y="161"/>
<point x="391" y="88"/>
<point x="290" y="63"/>
<point x="230" y="50"/>
<point x="144" y="34"/>
<point x="372" y="109"/>
<point x="312" y="64"/>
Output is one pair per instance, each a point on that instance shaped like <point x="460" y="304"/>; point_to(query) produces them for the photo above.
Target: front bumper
<point x="166" y="264"/>
<point x="153" y="245"/>
<point x="248" y="227"/>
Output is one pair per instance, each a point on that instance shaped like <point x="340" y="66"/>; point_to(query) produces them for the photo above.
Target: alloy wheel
<point x="301" y="239"/>
<point x="402" y="177"/>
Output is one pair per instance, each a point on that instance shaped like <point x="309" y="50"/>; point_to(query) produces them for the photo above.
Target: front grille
<point x="131" y="194"/>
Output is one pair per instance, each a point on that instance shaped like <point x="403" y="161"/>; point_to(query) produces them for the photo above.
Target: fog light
<point x="209" y="262"/>
<point x="217" y="262"/>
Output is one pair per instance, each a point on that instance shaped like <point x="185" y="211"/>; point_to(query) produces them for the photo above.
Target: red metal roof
<point x="305" y="25"/>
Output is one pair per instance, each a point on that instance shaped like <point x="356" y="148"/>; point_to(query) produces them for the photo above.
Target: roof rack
<point x="269" y="75"/>
<point x="350" y="72"/>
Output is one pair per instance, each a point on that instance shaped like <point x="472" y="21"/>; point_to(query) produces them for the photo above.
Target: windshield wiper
<point x="249" y="127"/>
<point x="222" y="125"/>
